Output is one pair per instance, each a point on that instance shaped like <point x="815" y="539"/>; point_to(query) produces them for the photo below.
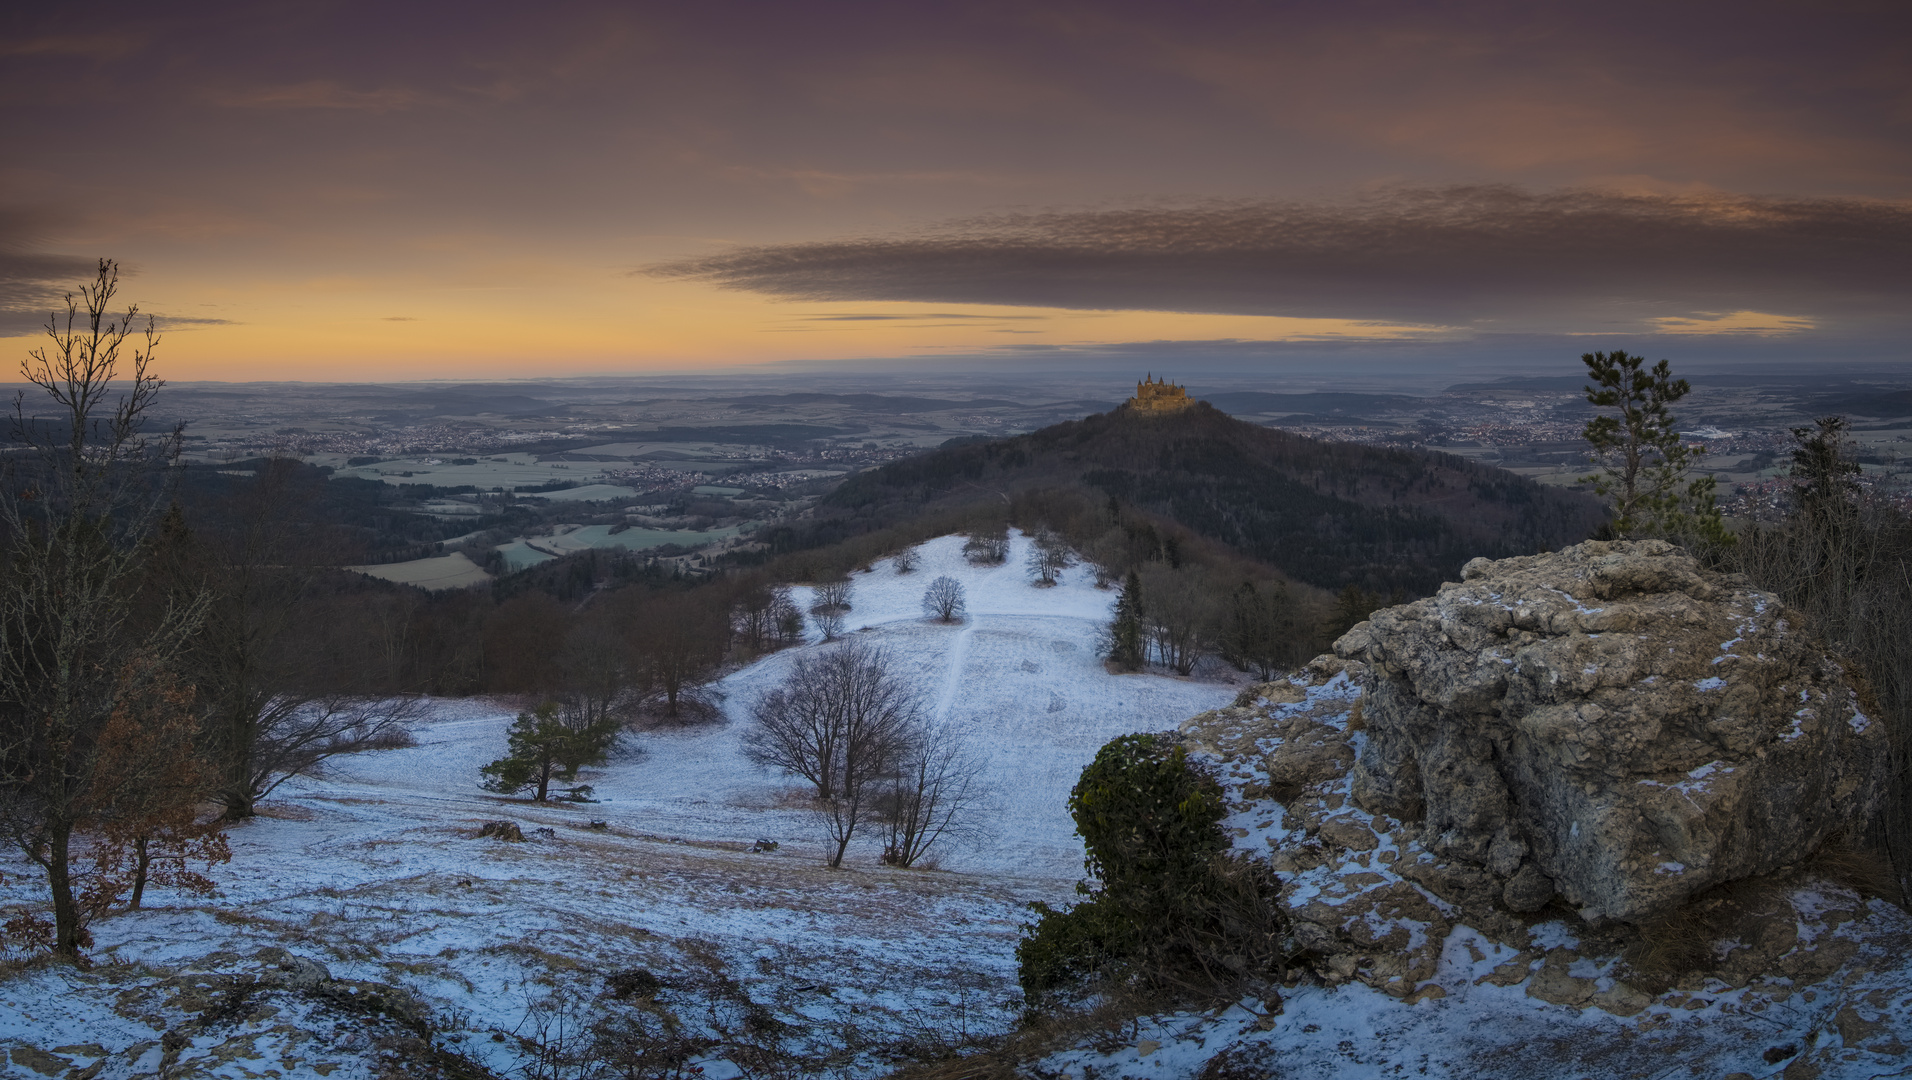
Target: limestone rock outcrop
<point x="1610" y="723"/>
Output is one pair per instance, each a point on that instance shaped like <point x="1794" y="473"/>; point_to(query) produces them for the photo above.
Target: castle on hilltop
<point x="1155" y="395"/>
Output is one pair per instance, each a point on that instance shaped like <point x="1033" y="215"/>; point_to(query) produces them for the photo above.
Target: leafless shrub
<point x="904" y="561"/>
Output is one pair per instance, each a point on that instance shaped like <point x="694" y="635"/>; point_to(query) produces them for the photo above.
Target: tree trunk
<point x="142" y="861"/>
<point x="67" y="931"/>
<point x="544" y="780"/>
<point x="239" y="804"/>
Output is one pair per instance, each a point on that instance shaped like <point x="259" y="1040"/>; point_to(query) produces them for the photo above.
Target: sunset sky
<point x="341" y="190"/>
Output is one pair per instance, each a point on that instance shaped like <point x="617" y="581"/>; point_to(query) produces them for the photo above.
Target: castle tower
<point x="1153" y="395"/>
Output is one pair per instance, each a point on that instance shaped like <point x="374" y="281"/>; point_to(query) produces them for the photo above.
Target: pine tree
<point x="1644" y="461"/>
<point x="543" y="746"/>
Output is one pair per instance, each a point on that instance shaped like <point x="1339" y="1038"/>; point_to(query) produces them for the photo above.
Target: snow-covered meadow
<point x="374" y="870"/>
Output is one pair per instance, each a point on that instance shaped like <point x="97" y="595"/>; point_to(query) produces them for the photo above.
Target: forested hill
<point x="1327" y="513"/>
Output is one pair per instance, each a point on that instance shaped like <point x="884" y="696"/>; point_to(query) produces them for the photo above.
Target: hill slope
<point x="1330" y="514"/>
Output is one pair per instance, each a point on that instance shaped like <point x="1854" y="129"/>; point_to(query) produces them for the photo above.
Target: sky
<point x="377" y="191"/>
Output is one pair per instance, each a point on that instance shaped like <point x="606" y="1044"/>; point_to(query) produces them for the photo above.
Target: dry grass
<point x="1102" y="1023"/>
<point x="1866" y="871"/>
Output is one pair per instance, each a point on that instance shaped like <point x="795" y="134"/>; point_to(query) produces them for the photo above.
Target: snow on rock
<point x="1572" y="722"/>
<point x="1417" y="963"/>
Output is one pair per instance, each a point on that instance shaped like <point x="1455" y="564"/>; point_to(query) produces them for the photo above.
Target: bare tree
<point x="843" y="722"/>
<point x="833" y="594"/>
<point x="594" y="673"/>
<point x="929" y="798"/>
<point x="786" y="617"/>
<point x="1048" y="556"/>
<point x="904" y="561"/>
<point x="987" y="546"/>
<point x="1180" y="618"/>
<point x="829" y="622"/>
<point x="832" y="604"/>
<point x="944" y="600"/>
<point x="76" y="513"/>
<point x="678" y="642"/>
<point x="295" y="734"/>
<point x="272" y="706"/>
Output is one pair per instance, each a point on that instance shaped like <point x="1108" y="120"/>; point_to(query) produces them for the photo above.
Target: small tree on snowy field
<point x="935" y="788"/>
<point x="155" y="777"/>
<point x="1048" y="556"/>
<point x="842" y="721"/>
<point x="829" y="622"/>
<point x="944" y="600"/>
<point x="904" y="561"/>
<point x="546" y="744"/>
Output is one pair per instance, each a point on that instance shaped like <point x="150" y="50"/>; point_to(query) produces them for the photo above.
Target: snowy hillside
<point x="663" y="934"/>
<point x="374" y="871"/>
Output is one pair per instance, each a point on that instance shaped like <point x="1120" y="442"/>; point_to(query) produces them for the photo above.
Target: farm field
<point x="452" y="571"/>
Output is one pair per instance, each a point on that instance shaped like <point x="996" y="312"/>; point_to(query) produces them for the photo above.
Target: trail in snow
<point x="953" y="679"/>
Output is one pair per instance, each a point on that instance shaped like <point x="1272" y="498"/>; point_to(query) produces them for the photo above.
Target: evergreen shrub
<point x="1165" y="904"/>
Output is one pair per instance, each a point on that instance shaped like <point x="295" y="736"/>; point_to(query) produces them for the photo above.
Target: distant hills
<point x="1327" y="513"/>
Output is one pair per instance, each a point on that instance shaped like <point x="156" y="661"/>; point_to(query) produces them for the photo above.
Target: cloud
<point x="32" y="280"/>
<point x="325" y="94"/>
<point x="1491" y="258"/>
<point x="861" y="316"/>
<point x="1732" y="322"/>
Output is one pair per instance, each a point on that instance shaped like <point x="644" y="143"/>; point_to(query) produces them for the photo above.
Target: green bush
<point x="1165" y="903"/>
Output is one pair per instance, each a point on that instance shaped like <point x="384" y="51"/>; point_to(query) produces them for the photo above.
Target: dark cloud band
<point x="1450" y="256"/>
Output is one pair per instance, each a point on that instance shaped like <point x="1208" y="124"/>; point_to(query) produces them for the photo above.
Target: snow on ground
<point x="375" y="872"/>
<point x="374" y="869"/>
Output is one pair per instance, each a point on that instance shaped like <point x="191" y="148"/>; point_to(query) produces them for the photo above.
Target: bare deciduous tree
<point x="1048" y="556"/>
<point x="1180" y="617"/>
<point x="944" y="600"/>
<point x="594" y="673"/>
<point x="843" y="722"/>
<point x="904" y="561"/>
<point x="829" y="622"/>
<point x="76" y="512"/>
<point x="929" y="798"/>
<point x="678" y="641"/>
<point x="833" y="594"/>
<point x="272" y="708"/>
<point x="987" y="546"/>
